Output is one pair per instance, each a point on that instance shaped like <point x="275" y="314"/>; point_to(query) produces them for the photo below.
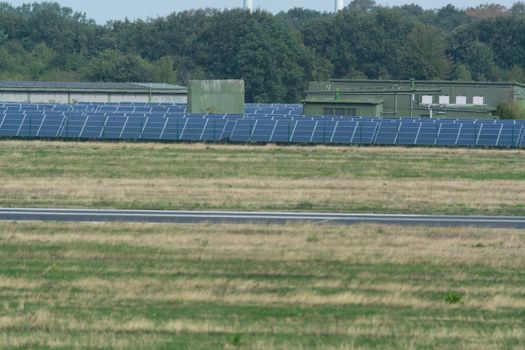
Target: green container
<point x="216" y="96"/>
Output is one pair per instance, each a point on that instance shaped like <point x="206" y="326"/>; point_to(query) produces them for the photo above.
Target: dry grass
<point x="441" y="196"/>
<point x="322" y="178"/>
<point x="259" y="286"/>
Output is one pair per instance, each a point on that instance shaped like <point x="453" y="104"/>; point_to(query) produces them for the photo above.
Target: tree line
<point x="275" y="54"/>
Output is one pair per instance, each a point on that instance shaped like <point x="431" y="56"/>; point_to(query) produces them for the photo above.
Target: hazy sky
<point x="103" y="10"/>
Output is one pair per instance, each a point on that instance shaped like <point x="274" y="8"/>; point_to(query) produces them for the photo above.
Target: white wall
<point x="62" y="98"/>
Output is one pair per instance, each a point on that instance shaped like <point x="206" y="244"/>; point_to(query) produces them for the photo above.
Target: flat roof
<point x="345" y="101"/>
<point x="449" y="82"/>
<point x="89" y="86"/>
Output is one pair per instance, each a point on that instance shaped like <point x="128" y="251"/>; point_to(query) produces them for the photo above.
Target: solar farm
<point x="258" y="285"/>
<point x="274" y="123"/>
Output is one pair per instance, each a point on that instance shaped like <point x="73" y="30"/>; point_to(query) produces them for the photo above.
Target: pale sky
<point x="104" y="10"/>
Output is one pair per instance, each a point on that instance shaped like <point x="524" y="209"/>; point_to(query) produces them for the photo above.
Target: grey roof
<point x="86" y="85"/>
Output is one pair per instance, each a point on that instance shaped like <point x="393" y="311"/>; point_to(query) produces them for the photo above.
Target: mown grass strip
<point x="178" y="176"/>
<point x="259" y="286"/>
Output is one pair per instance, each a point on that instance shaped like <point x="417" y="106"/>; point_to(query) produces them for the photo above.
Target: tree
<point x="115" y="66"/>
<point x="488" y="11"/>
<point x="518" y="9"/>
<point x="362" y="5"/>
<point x="424" y="56"/>
<point x="164" y="70"/>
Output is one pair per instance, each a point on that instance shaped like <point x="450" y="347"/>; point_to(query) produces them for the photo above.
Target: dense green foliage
<point x="276" y="54"/>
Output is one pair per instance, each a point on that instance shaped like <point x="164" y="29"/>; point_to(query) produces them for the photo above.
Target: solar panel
<point x="11" y="124"/>
<point x="242" y="131"/>
<point x="263" y="130"/>
<point x="323" y="131"/>
<point x="213" y="130"/>
<point x="112" y="128"/>
<point x="408" y="131"/>
<point x="509" y="135"/>
<point x="153" y="127"/>
<point x="428" y="133"/>
<point x="365" y="132"/>
<point x="72" y="126"/>
<point x="93" y="127"/>
<point x="279" y="123"/>
<point x="283" y="131"/>
<point x="303" y="131"/>
<point x="193" y="129"/>
<point x="489" y="134"/>
<point x="387" y="133"/>
<point x="344" y="132"/>
<point x="468" y="134"/>
<point x="132" y="129"/>
<point x="173" y="129"/>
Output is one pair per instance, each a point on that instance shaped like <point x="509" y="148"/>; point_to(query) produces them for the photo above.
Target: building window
<point x="478" y="100"/>
<point x="350" y="112"/>
<point x="427" y="100"/>
<point x="444" y="100"/>
<point x="461" y="100"/>
<point x="328" y="111"/>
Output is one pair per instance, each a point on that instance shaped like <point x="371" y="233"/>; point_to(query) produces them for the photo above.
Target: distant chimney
<point x="248" y="5"/>
<point x="339" y="5"/>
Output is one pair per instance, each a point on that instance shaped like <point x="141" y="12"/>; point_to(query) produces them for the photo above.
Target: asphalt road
<point x="186" y="217"/>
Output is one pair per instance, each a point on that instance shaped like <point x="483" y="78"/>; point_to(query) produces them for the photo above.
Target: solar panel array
<point x="262" y="123"/>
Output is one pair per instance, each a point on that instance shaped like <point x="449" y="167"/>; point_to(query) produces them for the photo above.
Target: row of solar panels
<point x="270" y="109"/>
<point x="305" y="130"/>
<point x="38" y="115"/>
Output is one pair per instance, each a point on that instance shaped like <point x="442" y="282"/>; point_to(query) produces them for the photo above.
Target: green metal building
<point x="409" y="98"/>
<point x="216" y="96"/>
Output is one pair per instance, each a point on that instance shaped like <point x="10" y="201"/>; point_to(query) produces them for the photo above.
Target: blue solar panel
<point x="112" y="128"/>
<point x="93" y="127"/>
<point x="11" y="124"/>
<point x="408" y="131"/>
<point x="262" y="123"/>
<point x="213" y="131"/>
<point x="283" y="130"/>
<point x="153" y="127"/>
<point x="489" y="134"/>
<point x="509" y="136"/>
<point x="344" y="132"/>
<point x="30" y="125"/>
<point x="428" y="133"/>
<point x="72" y="126"/>
<point x="323" y="131"/>
<point x="132" y="129"/>
<point x="193" y="129"/>
<point x="365" y="132"/>
<point x="173" y="129"/>
<point x="448" y="134"/>
<point x="468" y="134"/>
<point x="303" y="131"/>
<point x="263" y="130"/>
<point x="387" y="133"/>
<point x="51" y="126"/>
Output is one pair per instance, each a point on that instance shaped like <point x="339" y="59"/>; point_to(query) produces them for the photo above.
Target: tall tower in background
<point x="339" y="5"/>
<point x="248" y="5"/>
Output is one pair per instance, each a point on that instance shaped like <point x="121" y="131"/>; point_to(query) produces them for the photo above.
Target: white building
<point x="74" y="92"/>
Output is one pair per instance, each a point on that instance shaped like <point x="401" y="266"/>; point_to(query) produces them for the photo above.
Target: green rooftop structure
<point x="216" y="96"/>
<point x="409" y="98"/>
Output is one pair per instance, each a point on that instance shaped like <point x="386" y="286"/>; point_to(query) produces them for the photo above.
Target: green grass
<point x="341" y="179"/>
<point x="260" y="287"/>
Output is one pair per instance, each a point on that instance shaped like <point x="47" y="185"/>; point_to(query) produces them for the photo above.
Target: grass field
<point x="259" y="287"/>
<point x="178" y="176"/>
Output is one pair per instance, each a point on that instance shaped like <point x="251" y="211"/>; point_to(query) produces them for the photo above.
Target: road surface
<point x="186" y="217"/>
